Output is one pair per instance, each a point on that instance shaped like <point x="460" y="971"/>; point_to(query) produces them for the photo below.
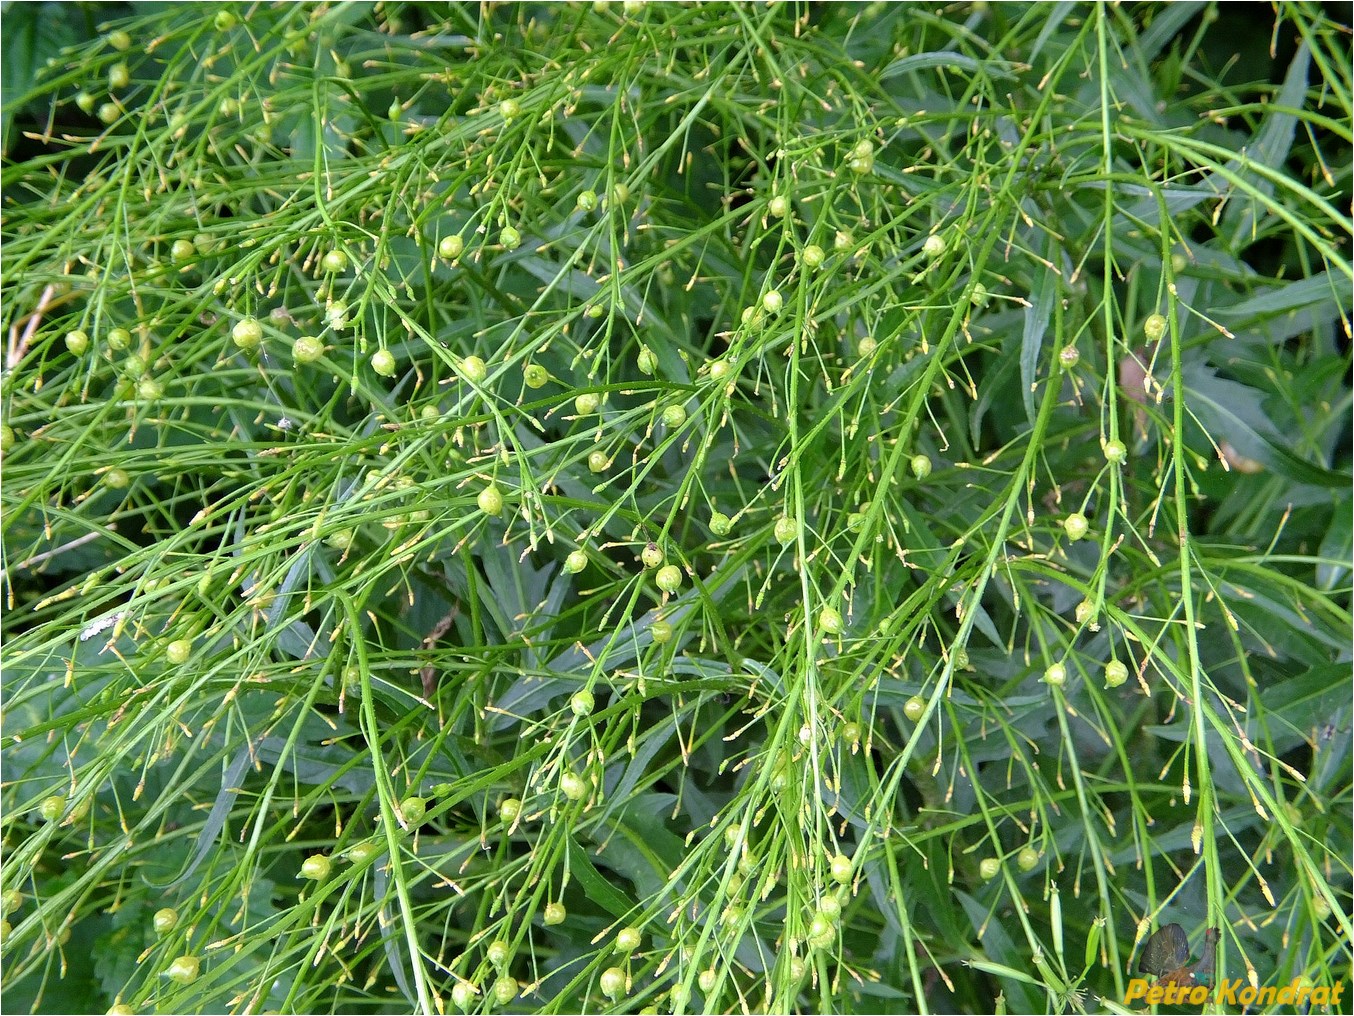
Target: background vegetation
<point x="791" y="507"/>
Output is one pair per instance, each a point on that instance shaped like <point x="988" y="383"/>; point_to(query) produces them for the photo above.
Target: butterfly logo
<point x="1165" y="955"/>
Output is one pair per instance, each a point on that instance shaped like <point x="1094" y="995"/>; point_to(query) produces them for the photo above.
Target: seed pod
<point x="669" y="578"/>
<point x="184" y="969"/>
<point x="612" y="982"/>
<point x="165" y="920"/>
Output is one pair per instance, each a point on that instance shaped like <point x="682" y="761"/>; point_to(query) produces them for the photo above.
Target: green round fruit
<point x="383" y="362"/>
<point x="178" y="651"/>
<point x="1027" y="858"/>
<point x="85" y="101"/>
<point x="587" y="201"/>
<point x="52" y="808"/>
<point x="1154" y="327"/>
<point x="120" y="40"/>
<point x="582" y="703"/>
<point x="1116" y="453"/>
<point x="720" y="370"/>
<point x="109" y="112"/>
<point x="674" y="417"/>
<point x="840" y="869"/>
<point x="1116" y="673"/>
<point x="119" y="76"/>
<point x="509" y="108"/>
<point x="812" y="256"/>
<point x="843" y="241"/>
<point x="587" y="403"/>
<point x="669" y="578"/>
<point x="612" y="982"/>
<point x="628" y="939"/>
<point x="498" y="953"/>
<point x="554" y="914"/>
<point x="334" y="261"/>
<point x="182" y="250"/>
<point x="118" y="339"/>
<point x="707" y="979"/>
<point x="165" y="920"/>
<point x="508" y="810"/>
<point x="661" y="631"/>
<point x="851" y="732"/>
<point x="474" y="369"/>
<point x="505" y="990"/>
<point x="573" y="786"/>
<point x="921" y="466"/>
<point x="361" y="853"/>
<point x="651" y="555"/>
<point x="598" y="462"/>
<point x="247" y="333"/>
<point x="822" y="932"/>
<point x="184" y="969"/>
<point x="463" y="995"/>
<point x="117" y="479"/>
<point x="978" y="296"/>
<point x="575" y="562"/>
<point x="148" y="389"/>
<point x="934" y="246"/>
<point x="1056" y="675"/>
<point x="340" y="540"/>
<point x="830" y="620"/>
<point x="316" y="867"/>
<point x="1069" y="357"/>
<point x="77" y="342"/>
<point x="778" y="206"/>
<point x="413" y="809"/>
<point x="225" y="21"/>
<point x="989" y="869"/>
<point x="620" y="194"/>
<point x="1076" y="526"/>
<point x="772" y="301"/>
<point x="646" y="361"/>
<point x="307" y="349"/>
<point x="720" y="524"/>
<point x="535" y="375"/>
<point x="786" y="530"/>
<point x="914" y="708"/>
<point x="450" y="247"/>
<point x="866" y="346"/>
<point x="490" y="501"/>
<point x="510" y="238"/>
